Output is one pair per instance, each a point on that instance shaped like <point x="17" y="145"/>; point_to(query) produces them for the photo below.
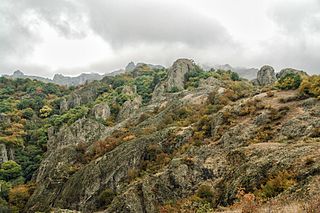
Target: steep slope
<point x="180" y="140"/>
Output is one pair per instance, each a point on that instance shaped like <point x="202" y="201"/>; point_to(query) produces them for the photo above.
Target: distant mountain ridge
<point x="248" y="73"/>
<point x="82" y="78"/>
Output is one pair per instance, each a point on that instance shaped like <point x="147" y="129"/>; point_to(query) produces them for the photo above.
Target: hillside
<point x="162" y="140"/>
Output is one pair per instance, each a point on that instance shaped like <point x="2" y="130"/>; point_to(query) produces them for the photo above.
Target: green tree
<point x="27" y="113"/>
<point x="235" y="76"/>
<point x="10" y="170"/>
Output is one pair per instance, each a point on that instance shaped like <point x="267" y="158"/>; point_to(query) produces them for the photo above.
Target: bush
<point x="174" y="90"/>
<point x="205" y="192"/>
<point x="105" y="198"/>
<point x="276" y="185"/>
<point x="4" y="189"/>
<point x="10" y="170"/>
<point x="289" y="81"/>
<point x="18" y="196"/>
<point x="311" y="86"/>
<point x="45" y="111"/>
<point x="234" y="76"/>
<point x="27" y="113"/>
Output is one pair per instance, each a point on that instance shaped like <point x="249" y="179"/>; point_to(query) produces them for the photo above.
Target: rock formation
<point x="101" y="111"/>
<point x="130" y="67"/>
<point x="266" y="75"/>
<point x="176" y="74"/>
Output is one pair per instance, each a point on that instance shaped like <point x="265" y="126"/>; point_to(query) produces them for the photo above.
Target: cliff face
<point x="218" y="138"/>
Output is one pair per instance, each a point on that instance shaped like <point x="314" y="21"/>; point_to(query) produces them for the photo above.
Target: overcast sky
<point x="43" y="37"/>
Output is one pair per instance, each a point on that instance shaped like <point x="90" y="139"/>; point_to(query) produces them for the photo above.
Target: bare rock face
<point x="129" y="90"/>
<point x="266" y="75"/>
<point x="130" y="67"/>
<point x="287" y="71"/>
<point x="63" y="105"/>
<point x="3" y="153"/>
<point x="129" y="107"/>
<point x="176" y="78"/>
<point x="176" y="74"/>
<point x="101" y="111"/>
<point x="209" y="82"/>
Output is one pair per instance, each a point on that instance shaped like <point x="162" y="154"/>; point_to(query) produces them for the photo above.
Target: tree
<point x="27" y="113"/>
<point x="45" y="111"/>
<point x="10" y="170"/>
<point x="235" y="76"/>
<point x="18" y="196"/>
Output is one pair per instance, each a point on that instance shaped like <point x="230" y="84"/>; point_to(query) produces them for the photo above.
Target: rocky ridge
<point x="158" y="155"/>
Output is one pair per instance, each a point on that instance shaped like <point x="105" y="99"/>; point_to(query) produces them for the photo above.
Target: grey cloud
<point x="124" y="22"/>
<point x="296" y="42"/>
<point x="296" y="17"/>
<point x="159" y="32"/>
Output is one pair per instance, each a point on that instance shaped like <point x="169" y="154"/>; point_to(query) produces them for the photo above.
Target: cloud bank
<point x="67" y="36"/>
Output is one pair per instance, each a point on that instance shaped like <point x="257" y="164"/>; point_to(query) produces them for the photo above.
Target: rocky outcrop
<point x="63" y="105"/>
<point x="266" y="76"/>
<point x="101" y="111"/>
<point x="287" y="71"/>
<point x="175" y="80"/>
<point x="130" y="67"/>
<point x="129" y="107"/>
<point x="176" y="74"/>
<point x="59" y="163"/>
<point x="81" y="96"/>
<point x="129" y="90"/>
<point x="210" y="82"/>
<point x="3" y="153"/>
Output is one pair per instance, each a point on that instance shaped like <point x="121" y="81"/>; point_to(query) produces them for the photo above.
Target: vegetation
<point x="105" y="197"/>
<point x="30" y="109"/>
<point x="289" y="81"/>
<point x="276" y="185"/>
<point x="311" y="86"/>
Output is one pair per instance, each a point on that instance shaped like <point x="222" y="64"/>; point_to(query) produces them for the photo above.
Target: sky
<point x="44" y="37"/>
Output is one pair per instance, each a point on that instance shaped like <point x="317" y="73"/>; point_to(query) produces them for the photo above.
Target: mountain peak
<point x="130" y="67"/>
<point x="18" y="73"/>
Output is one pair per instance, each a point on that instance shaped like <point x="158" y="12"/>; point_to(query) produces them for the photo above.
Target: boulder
<point x="266" y="75"/>
<point x="101" y="111"/>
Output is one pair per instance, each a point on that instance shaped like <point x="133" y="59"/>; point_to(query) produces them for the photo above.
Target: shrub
<point x="10" y="170"/>
<point x="205" y="192"/>
<point x="152" y="151"/>
<point x="247" y="202"/>
<point x="234" y="76"/>
<point x="45" y="111"/>
<point x="18" y="196"/>
<point x="4" y="189"/>
<point x="27" y="113"/>
<point x="289" y="81"/>
<point x="132" y="174"/>
<point x="311" y="86"/>
<point x="105" y="198"/>
<point x="174" y="90"/>
<point x="274" y="186"/>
